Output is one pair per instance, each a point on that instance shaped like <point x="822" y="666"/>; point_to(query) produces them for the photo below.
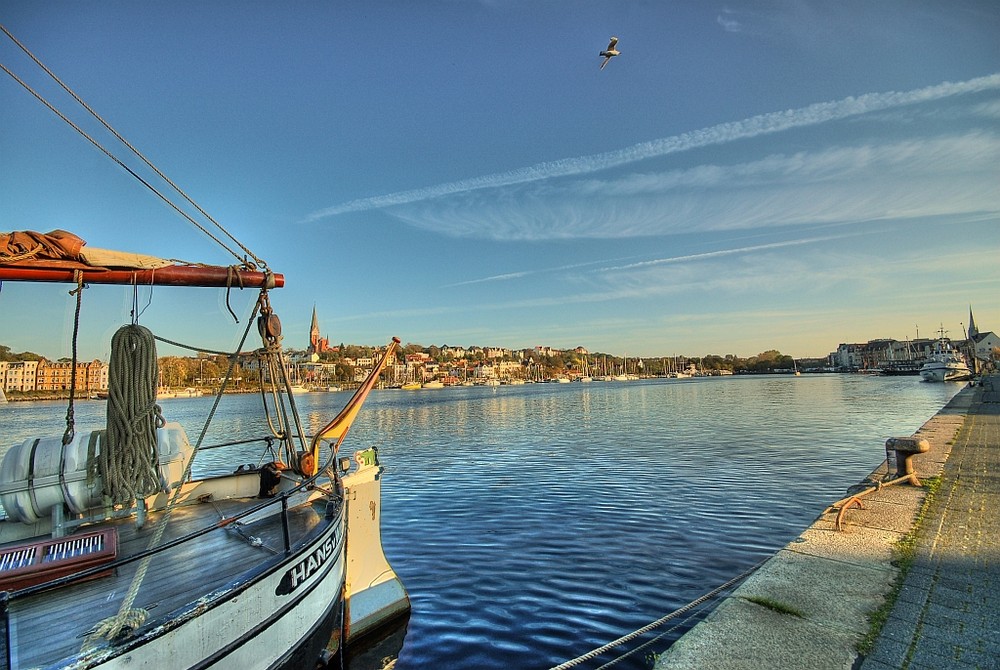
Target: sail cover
<point x="58" y="255"/>
<point x="28" y="247"/>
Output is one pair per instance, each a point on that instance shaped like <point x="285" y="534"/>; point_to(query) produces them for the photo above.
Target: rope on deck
<point x="659" y="622"/>
<point x="128" y="618"/>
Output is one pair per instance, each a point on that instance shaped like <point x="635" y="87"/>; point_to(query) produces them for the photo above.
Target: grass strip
<point x="903" y="553"/>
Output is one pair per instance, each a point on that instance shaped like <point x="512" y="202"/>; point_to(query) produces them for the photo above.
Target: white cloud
<point x="989" y="110"/>
<point x="755" y="126"/>
<point x="723" y="252"/>
<point x="728" y="22"/>
<point x="954" y="175"/>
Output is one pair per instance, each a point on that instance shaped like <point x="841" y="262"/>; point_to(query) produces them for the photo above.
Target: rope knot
<point x="122" y="623"/>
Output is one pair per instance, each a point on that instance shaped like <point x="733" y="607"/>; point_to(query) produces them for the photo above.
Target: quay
<point x="809" y="605"/>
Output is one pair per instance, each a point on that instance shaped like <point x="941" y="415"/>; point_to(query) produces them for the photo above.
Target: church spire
<point x="314" y="332"/>
<point x="317" y="344"/>
<point x="973" y="331"/>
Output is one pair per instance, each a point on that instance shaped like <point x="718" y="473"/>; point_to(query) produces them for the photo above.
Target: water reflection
<point x="532" y="524"/>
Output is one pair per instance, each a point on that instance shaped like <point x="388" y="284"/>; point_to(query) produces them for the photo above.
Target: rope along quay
<point x="656" y="624"/>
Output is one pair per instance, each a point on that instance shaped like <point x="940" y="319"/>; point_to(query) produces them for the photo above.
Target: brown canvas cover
<point x="63" y="249"/>
<point x="22" y="245"/>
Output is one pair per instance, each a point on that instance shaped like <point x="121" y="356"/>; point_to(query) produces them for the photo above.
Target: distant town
<point x="323" y="366"/>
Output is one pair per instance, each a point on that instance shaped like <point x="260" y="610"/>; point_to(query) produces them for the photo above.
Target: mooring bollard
<point x="898" y="452"/>
<point x="905" y="448"/>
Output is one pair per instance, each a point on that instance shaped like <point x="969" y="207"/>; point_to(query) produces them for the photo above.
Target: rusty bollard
<point x="906" y="448"/>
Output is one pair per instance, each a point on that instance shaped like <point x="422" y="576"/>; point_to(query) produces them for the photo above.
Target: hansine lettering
<point x="308" y="566"/>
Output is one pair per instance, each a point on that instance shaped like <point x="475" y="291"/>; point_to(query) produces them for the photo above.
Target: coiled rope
<point x="659" y="622"/>
<point x="130" y="618"/>
<point x="128" y="463"/>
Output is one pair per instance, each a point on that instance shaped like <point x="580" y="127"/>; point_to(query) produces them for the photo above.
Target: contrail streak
<point x="657" y="261"/>
<point x="755" y="126"/>
<point x="724" y="252"/>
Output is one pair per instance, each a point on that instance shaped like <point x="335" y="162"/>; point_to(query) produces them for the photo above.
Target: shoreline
<point x="808" y="606"/>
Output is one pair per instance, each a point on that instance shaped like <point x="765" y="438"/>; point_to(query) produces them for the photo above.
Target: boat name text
<point x="307" y="567"/>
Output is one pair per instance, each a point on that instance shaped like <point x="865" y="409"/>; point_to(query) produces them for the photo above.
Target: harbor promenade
<point x="809" y="605"/>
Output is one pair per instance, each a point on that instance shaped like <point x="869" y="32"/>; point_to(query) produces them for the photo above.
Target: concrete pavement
<point x="946" y="615"/>
<point x="808" y="606"/>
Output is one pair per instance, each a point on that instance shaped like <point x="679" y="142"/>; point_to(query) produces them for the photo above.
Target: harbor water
<point x="531" y="524"/>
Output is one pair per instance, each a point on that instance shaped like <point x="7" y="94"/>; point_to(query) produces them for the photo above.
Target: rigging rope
<point x="615" y="661"/>
<point x="30" y="253"/>
<point x="129" y="462"/>
<point x="260" y="263"/>
<point x="70" y="431"/>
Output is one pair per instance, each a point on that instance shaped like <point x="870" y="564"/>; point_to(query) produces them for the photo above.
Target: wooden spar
<point x="172" y="275"/>
<point x="338" y="427"/>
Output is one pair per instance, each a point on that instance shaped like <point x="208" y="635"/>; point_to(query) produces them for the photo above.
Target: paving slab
<point x="946" y="612"/>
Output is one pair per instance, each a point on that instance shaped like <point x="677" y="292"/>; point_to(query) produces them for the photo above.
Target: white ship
<point x="945" y="365"/>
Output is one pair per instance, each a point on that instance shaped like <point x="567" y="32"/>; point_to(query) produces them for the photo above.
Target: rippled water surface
<point x="531" y="524"/>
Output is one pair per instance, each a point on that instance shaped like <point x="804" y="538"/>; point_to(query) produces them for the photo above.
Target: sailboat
<point x="115" y="554"/>
<point x="3" y="396"/>
<point x="624" y="373"/>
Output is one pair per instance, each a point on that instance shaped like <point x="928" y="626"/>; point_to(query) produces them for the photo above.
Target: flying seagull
<point x="610" y="52"/>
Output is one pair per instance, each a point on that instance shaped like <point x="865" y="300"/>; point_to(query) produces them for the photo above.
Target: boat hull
<point x="374" y="594"/>
<point x="945" y="374"/>
<point x="282" y="614"/>
<point x="254" y="626"/>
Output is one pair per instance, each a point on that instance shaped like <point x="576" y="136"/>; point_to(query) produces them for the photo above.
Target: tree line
<point x="207" y="369"/>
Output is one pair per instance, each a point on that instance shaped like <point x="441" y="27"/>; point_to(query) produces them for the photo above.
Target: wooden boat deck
<point x="174" y="577"/>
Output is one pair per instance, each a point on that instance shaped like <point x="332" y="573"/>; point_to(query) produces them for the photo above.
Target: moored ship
<point x="945" y="365"/>
<point x="113" y="553"/>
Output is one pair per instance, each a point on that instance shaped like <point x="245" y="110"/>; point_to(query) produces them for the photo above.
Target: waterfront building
<point x="452" y="352"/>
<point x="498" y="370"/>
<point x="486" y="371"/>
<point x="19" y="375"/>
<point x="58" y="376"/>
<point x="984" y="346"/>
<point x="877" y="353"/>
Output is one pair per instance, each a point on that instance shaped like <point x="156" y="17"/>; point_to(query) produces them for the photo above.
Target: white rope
<point x="659" y="622"/>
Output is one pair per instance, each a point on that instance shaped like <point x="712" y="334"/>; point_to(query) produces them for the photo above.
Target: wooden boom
<point x="171" y="275"/>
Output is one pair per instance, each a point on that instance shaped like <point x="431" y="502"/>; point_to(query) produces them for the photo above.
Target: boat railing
<point x="7" y="598"/>
<point x="279" y="499"/>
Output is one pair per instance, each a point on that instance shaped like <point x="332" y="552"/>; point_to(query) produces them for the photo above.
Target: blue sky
<point x="745" y="176"/>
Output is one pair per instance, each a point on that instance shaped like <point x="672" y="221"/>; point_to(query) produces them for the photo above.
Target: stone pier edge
<point x="828" y="582"/>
